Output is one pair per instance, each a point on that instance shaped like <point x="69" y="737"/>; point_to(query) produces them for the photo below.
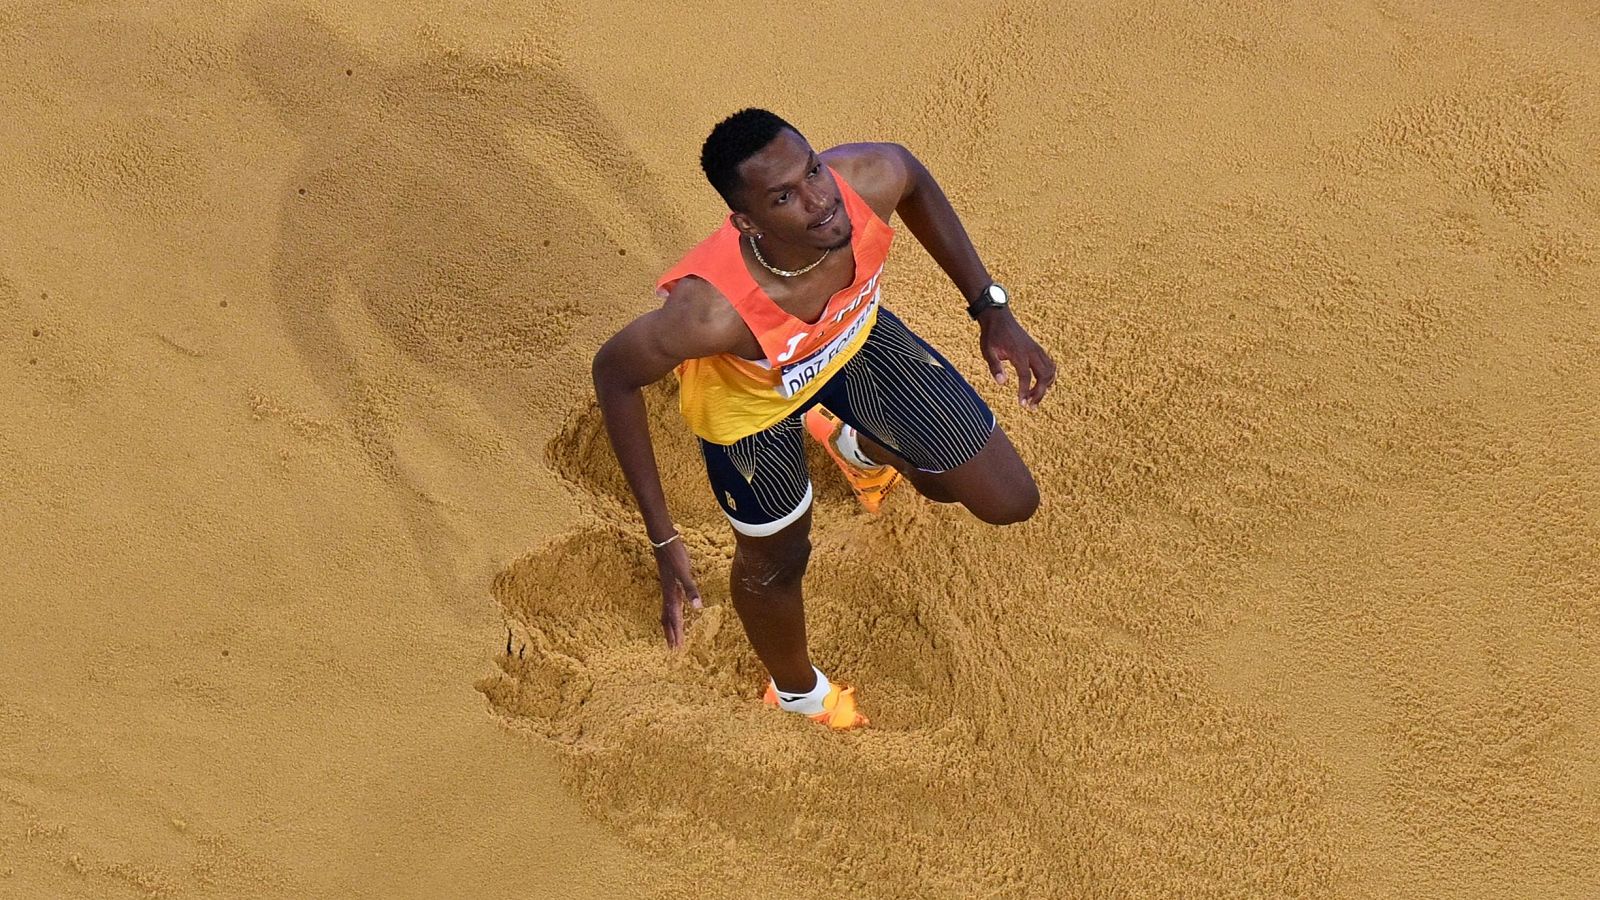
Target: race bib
<point x="798" y="374"/>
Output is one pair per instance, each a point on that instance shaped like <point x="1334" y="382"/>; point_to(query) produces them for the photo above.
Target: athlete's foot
<point x="838" y="708"/>
<point x="871" y="483"/>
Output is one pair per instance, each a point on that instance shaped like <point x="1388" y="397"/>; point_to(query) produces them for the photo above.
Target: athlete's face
<point x="790" y="195"/>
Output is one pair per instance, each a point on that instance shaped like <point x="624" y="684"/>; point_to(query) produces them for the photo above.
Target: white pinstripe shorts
<point x="897" y="390"/>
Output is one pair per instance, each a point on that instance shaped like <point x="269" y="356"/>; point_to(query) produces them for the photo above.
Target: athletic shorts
<point x="896" y="390"/>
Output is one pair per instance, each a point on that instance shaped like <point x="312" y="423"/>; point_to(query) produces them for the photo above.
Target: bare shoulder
<point x="696" y="320"/>
<point x="879" y="172"/>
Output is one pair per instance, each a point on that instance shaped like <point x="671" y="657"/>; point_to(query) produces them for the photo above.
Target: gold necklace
<point x="784" y="272"/>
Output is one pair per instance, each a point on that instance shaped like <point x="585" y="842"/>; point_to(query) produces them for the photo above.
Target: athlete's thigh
<point x="903" y="394"/>
<point x="761" y="481"/>
<point x="995" y="485"/>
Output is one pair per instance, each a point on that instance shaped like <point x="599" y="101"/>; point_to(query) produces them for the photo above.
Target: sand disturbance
<point x="298" y="449"/>
<point x="1310" y="603"/>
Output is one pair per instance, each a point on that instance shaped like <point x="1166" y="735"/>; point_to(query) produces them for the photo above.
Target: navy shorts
<point x="896" y="390"/>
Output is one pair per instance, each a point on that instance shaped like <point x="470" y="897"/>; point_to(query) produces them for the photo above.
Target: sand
<point x="323" y="581"/>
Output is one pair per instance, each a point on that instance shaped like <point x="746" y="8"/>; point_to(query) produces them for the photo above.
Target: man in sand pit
<point x="774" y="327"/>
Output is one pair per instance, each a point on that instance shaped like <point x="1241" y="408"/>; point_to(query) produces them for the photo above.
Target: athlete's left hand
<point x="1002" y="338"/>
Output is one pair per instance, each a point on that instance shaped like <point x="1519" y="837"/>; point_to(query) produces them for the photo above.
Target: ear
<point x="745" y="226"/>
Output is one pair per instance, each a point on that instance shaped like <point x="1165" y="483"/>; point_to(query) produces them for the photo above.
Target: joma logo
<point x="838" y="317"/>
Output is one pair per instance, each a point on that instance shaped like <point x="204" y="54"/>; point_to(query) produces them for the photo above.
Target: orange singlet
<point x="725" y="397"/>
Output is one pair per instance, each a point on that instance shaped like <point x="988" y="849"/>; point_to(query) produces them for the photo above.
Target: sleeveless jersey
<point x="725" y="397"/>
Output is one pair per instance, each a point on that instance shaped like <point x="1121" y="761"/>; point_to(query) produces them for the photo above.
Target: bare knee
<point x="767" y="567"/>
<point x="1016" y="506"/>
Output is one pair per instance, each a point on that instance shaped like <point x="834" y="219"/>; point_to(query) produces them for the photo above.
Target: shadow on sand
<point x="473" y="253"/>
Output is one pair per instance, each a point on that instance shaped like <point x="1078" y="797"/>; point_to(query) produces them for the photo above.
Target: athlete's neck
<point x="770" y="254"/>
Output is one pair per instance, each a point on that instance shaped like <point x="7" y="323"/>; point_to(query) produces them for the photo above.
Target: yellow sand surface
<point x="321" y="580"/>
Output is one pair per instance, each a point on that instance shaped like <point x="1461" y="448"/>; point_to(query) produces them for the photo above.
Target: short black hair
<point x="734" y="140"/>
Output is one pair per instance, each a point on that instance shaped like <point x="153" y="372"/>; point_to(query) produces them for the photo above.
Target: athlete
<point x="774" y="327"/>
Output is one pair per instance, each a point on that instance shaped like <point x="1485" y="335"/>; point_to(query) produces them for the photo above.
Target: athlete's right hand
<point x="677" y="585"/>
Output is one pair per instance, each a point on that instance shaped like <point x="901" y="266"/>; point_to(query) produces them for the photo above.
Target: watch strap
<point x="985" y="300"/>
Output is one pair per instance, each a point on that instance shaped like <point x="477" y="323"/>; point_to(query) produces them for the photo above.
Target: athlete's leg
<point x="912" y="410"/>
<point x="995" y="485"/>
<point x="767" y="572"/>
<point x="763" y="487"/>
<point x="920" y="480"/>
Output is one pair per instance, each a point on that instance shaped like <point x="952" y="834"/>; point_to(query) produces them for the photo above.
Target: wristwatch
<point x="992" y="296"/>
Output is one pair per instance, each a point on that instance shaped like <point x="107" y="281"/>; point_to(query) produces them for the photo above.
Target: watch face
<point x="998" y="296"/>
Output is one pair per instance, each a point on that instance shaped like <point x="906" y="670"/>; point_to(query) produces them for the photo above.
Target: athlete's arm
<point x="888" y="175"/>
<point x="687" y="326"/>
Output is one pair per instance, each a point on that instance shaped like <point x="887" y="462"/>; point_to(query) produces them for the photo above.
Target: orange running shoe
<point x="838" y="708"/>
<point x="870" y="485"/>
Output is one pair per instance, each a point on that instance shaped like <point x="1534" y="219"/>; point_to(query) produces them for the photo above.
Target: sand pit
<point x="297" y="303"/>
